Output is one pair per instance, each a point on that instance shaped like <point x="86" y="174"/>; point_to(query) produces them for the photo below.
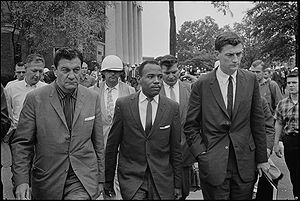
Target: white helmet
<point x="112" y="62"/>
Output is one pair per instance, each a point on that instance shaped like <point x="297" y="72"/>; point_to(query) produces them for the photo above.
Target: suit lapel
<point x="135" y="110"/>
<point x="54" y="101"/>
<point x="216" y="91"/>
<point x="240" y="89"/>
<point x="183" y="97"/>
<point x="79" y="104"/>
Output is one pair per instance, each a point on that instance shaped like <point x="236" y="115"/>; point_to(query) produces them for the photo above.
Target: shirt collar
<point x="115" y="87"/>
<point x="143" y="97"/>
<point x="168" y="86"/>
<point x="28" y="85"/>
<point x="224" y="77"/>
<point x="63" y="94"/>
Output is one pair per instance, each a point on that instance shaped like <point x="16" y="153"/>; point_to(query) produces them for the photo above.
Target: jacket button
<point x="226" y="147"/>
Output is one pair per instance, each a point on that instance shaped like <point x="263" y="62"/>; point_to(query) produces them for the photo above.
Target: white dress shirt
<point x="15" y="96"/>
<point x="223" y="83"/>
<point x="175" y="88"/>
<point x="143" y="107"/>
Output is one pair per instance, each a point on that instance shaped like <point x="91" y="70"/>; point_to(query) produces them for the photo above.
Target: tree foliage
<point x="274" y="25"/>
<point x="196" y="38"/>
<point x="43" y="23"/>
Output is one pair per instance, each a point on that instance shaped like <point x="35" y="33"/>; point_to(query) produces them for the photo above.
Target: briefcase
<point x="266" y="188"/>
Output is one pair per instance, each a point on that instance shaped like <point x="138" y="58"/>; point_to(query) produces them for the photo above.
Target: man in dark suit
<point x="146" y="129"/>
<point x="180" y="92"/>
<point x="58" y="144"/>
<point x="225" y="125"/>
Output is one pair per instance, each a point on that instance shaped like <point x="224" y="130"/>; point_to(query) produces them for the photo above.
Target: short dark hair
<point x="67" y="53"/>
<point x="227" y="38"/>
<point x="141" y="67"/>
<point x="259" y="62"/>
<point x="19" y="64"/>
<point x="168" y="60"/>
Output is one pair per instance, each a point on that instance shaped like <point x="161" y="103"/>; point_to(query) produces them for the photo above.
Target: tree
<point x="43" y="23"/>
<point x="275" y="26"/>
<point x="196" y="36"/>
<point x="220" y="5"/>
<point x="172" y="29"/>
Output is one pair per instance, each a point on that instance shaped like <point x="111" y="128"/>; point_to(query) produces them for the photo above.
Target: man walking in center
<point x="58" y="145"/>
<point x="178" y="91"/>
<point x="146" y="127"/>
<point x="225" y="125"/>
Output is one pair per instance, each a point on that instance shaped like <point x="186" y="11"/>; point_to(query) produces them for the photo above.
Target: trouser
<point x="233" y="188"/>
<point x="147" y="191"/>
<point x="73" y="189"/>
<point x="291" y="156"/>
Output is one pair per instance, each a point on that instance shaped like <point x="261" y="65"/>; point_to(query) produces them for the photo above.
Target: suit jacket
<point x="160" y="150"/>
<point x="209" y="130"/>
<point x="184" y="94"/>
<point x="269" y="120"/>
<point x="124" y="90"/>
<point x="42" y="135"/>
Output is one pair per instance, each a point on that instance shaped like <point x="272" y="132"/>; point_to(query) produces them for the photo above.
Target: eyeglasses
<point x="23" y="72"/>
<point x="255" y="71"/>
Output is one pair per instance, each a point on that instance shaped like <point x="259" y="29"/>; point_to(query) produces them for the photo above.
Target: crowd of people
<point x="121" y="132"/>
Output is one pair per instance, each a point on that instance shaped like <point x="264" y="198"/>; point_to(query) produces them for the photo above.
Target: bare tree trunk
<point x="172" y="29"/>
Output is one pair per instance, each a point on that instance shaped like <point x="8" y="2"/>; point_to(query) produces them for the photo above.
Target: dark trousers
<point x="291" y="155"/>
<point x="147" y="191"/>
<point x="73" y="189"/>
<point x="233" y="188"/>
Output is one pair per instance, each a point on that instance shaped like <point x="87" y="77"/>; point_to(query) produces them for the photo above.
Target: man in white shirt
<point x="180" y="92"/>
<point x="16" y="92"/>
<point x="19" y="73"/>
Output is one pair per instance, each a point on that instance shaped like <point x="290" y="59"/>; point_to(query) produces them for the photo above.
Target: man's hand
<point x="263" y="167"/>
<point x="100" y="189"/>
<point x="177" y="193"/>
<point x="278" y="149"/>
<point x="23" y="192"/>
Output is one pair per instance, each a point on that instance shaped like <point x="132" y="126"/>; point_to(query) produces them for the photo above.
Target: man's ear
<point x="216" y="54"/>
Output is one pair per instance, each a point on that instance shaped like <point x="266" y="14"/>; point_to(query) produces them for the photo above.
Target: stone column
<point x="130" y="32"/>
<point x="135" y="34"/>
<point x="110" y="33"/>
<point x="119" y="31"/>
<point x="140" y="36"/>
<point x="125" y="32"/>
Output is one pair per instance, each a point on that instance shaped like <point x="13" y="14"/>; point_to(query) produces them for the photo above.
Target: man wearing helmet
<point x="109" y="90"/>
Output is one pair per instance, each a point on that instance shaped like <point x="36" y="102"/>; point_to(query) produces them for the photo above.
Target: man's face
<point x="151" y="80"/>
<point x="20" y="72"/>
<point x="292" y="85"/>
<point x="258" y="71"/>
<point x="267" y="75"/>
<point x="68" y="72"/>
<point x="170" y="75"/>
<point x="84" y="69"/>
<point x="34" y="72"/>
<point x="230" y="58"/>
<point x="111" y="77"/>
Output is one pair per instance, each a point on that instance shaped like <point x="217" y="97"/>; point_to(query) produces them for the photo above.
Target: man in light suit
<point x="180" y="92"/>
<point x="112" y="67"/>
<point x="58" y="145"/>
<point x="225" y="125"/>
<point x="150" y="158"/>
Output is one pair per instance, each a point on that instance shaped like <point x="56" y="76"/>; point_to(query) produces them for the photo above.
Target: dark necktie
<point x="230" y="96"/>
<point x="148" y="116"/>
<point x="68" y="110"/>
